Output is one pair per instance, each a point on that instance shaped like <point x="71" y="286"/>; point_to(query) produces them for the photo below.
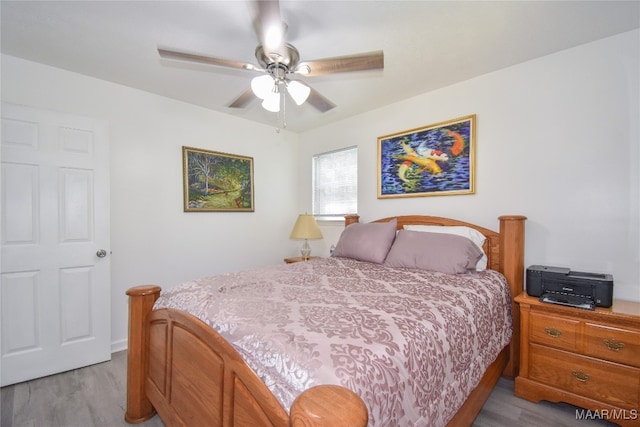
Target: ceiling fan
<point x="279" y="62"/>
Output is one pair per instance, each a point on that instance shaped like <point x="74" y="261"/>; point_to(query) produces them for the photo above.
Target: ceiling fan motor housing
<point x="269" y="61"/>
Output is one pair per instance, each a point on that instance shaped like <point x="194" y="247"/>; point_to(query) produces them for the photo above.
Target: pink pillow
<point x="367" y="242"/>
<point x="447" y="253"/>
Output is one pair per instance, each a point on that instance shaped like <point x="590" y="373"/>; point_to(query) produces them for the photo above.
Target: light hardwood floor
<point x="95" y="396"/>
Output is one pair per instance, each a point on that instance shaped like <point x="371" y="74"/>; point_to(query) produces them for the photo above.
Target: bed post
<point x="328" y="405"/>
<point x="351" y="219"/>
<point x="141" y="300"/>
<point x="512" y="265"/>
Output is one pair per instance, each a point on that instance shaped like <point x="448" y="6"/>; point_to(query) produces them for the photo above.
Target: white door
<point x="55" y="289"/>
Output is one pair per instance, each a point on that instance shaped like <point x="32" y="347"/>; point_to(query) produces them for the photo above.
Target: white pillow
<point x="460" y="230"/>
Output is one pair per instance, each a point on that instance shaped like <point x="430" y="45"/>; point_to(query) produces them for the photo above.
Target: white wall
<point x="152" y="239"/>
<point x="557" y="141"/>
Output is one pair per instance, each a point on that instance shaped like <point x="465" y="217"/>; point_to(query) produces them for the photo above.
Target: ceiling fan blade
<point x="209" y="60"/>
<point x="321" y="103"/>
<point x="269" y="27"/>
<point x="243" y="100"/>
<point x="342" y="64"/>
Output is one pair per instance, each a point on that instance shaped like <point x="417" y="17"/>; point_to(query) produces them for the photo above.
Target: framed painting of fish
<point x="435" y="160"/>
<point x="216" y="182"/>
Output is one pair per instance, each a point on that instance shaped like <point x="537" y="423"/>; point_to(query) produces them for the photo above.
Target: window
<point x="335" y="183"/>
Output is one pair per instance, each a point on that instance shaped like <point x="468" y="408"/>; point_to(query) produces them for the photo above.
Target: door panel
<point x="20" y="289"/>
<point x="19" y="201"/>
<point x="55" y="290"/>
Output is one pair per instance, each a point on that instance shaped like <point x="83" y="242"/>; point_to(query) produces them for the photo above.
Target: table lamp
<point x="306" y="228"/>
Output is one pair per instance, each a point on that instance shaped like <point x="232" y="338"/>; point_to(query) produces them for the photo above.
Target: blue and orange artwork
<point x="433" y="160"/>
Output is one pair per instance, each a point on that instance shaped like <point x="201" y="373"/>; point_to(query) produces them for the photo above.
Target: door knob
<point x="101" y="253"/>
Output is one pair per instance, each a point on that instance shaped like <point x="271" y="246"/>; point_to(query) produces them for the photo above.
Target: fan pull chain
<point x="284" y="113"/>
<point x="284" y="110"/>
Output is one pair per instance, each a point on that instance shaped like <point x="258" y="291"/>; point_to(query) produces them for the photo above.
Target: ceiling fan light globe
<point x="272" y="102"/>
<point x="298" y="91"/>
<point x="262" y="86"/>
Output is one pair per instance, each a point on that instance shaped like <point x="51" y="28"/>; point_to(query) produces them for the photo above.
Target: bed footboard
<point x="184" y="370"/>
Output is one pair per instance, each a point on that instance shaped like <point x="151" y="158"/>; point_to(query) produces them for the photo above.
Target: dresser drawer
<point x="554" y="331"/>
<point x="603" y="381"/>
<point x="615" y="344"/>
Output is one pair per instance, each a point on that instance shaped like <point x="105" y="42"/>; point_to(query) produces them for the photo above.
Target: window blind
<point x="335" y="183"/>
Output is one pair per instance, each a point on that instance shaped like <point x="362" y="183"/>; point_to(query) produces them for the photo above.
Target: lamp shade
<point x="306" y="227"/>
<point x="272" y="101"/>
<point x="298" y="91"/>
<point x="262" y="86"/>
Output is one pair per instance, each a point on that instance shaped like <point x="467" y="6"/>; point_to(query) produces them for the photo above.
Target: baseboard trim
<point x="120" y="345"/>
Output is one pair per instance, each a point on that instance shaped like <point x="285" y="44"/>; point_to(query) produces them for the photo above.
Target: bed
<point x="192" y="374"/>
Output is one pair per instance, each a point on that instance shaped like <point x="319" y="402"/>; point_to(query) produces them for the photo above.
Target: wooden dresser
<point x="590" y="359"/>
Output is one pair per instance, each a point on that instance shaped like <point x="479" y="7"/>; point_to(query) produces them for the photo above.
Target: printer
<point x="559" y="285"/>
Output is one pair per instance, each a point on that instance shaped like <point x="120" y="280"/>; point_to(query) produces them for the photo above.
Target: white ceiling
<point x="427" y="44"/>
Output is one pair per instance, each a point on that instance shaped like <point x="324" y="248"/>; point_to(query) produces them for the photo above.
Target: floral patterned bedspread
<point x="411" y="343"/>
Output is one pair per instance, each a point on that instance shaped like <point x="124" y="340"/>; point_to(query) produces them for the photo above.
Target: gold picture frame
<point x="216" y="182"/>
<point x="434" y="160"/>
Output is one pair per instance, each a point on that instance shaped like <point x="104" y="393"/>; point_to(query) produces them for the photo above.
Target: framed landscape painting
<point x="216" y="182"/>
<point x="434" y="160"/>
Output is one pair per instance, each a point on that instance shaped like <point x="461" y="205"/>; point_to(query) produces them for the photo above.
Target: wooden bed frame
<point x="184" y="370"/>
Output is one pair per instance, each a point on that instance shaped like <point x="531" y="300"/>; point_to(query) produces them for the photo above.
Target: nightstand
<point x="590" y="359"/>
<point x="298" y="259"/>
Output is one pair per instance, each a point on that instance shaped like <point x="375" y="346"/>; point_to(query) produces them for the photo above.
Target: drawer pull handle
<point x="613" y="345"/>
<point x="580" y="376"/>
<point x="553" y="332"/>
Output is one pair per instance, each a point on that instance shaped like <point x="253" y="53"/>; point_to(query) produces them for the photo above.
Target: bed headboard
<point x="505" y="253"/>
